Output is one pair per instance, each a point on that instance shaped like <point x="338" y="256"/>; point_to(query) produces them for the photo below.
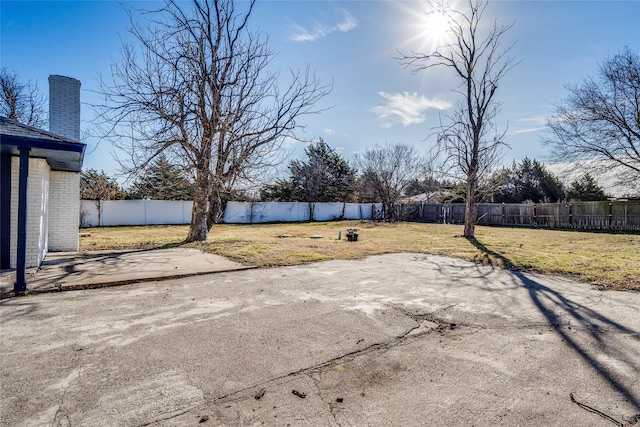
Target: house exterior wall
<point x="64" y="211"/>
<point x="37" y="210"/>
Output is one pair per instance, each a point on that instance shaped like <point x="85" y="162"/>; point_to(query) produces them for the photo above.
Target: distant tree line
<point x="384" y="174"/>
<point x="391" y="173"/>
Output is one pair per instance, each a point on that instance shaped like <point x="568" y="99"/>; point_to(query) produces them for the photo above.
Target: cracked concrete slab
<point x="399" y="339"/>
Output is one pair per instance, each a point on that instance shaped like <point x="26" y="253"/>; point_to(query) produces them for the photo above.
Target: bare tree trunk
<point x="99" y="207"/>
<point x="312" y="208"/>
<point x="469" y="226"/>
<point x="199" y="213"/>
<point x="217" y="204"/>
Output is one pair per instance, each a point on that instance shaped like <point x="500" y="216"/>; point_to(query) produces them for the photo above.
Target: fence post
<point x="535" y="216"/>
<point x="570" y="215"/>
<point x="503" y="213"/>
<point x="610" y="215"/>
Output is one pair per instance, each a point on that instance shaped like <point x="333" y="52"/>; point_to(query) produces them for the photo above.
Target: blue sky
<point x="375" y="100"/>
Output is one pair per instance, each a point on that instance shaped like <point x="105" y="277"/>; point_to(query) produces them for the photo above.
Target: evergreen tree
<point x="163" y="181"/>
<point x="280" y="191"/>
<point x="527" y="181"/>
<point x="323" y="177"/>
<point x="586" y="189"/>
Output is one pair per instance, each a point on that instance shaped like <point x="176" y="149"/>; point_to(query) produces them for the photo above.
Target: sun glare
<point x="437" y="24"/>
<point x="429" y="27"/>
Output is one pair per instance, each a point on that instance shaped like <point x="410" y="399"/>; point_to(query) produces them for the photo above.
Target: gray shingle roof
<point x="62" y="153"/>
<point x="13" y="128"/>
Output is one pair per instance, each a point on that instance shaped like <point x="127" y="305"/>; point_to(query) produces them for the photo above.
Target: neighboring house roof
<point x="62" y="154"/>
<point x="421" y="198"/>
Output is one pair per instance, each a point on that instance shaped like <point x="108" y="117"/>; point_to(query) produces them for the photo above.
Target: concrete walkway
<point x="393" y="340"/>
<point x="96" y="269"/>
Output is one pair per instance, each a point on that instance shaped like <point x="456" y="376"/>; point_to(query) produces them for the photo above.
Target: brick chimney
<point x="64" y="106"/>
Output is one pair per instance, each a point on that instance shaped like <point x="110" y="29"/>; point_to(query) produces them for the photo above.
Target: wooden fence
<point x="614" y="215"/>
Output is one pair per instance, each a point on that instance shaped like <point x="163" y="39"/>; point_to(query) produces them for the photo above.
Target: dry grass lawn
<point x="610" y="261"/>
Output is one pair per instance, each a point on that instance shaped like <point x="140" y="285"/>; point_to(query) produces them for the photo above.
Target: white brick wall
<point x="64" y="106"/>
<point x="37" y="210"/>
<point x="64" y="211"/>
<point x="53" y="197"/>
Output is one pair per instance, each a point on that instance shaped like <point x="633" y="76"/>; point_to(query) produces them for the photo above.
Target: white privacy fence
<point x="257" y="212"/>
<point x="107" y="213"/>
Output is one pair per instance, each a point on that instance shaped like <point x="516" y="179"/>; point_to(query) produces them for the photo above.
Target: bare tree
<point x="98" y="186"/>
<point x="600" y="120"/>
<point x="387" y="171"/>
<point x="21" y="101"/>
<point x="199" y="90"/>
<point x="469" y="140"/>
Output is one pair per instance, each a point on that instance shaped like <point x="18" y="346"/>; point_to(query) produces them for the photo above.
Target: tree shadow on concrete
<point x="18" y="310"/>
<point x="560" y="311"/>
<point x="488" y="255"/>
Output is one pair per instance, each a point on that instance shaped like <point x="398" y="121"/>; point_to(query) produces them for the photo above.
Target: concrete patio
<point x="402" y="339"/>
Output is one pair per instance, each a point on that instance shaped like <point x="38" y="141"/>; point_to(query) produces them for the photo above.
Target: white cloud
<point x="346" y="22"/>
<point x="329" y="131"/>
<point x="524" y="130"/>
<point x="537" y="120"/>
<point x="302" y="35"/>
<point x="528" y="125"/>
<point x="406" y="108"/>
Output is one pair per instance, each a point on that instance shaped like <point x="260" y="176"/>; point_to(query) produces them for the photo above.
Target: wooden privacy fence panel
<point x="430" y="212"/>
<point x="615" y="215"/>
